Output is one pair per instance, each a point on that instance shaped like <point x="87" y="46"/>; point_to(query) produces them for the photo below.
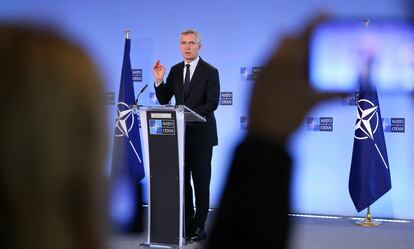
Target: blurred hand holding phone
<point x="340" y="50"/>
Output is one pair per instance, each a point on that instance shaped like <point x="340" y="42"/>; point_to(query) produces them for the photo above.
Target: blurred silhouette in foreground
<point x="52" y="143"/>
<point x="254" y="209"/>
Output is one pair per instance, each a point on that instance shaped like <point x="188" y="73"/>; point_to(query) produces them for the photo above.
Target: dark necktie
<point x="187" y="76"/>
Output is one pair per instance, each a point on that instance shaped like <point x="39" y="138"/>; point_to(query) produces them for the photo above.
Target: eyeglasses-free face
<point x="189" y="47"/>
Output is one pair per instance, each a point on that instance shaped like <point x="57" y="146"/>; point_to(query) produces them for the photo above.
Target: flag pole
<point x="368" y="221"/>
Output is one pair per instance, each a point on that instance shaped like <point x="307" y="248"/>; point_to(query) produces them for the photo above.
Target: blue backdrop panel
<point x="237" y="38"/>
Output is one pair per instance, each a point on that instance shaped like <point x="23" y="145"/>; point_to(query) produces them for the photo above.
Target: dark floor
<point x="317" y="233"/>
<point x="343" y="233"/>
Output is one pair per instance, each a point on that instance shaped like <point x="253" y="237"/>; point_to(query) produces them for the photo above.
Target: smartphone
<point x="340" y="51"/>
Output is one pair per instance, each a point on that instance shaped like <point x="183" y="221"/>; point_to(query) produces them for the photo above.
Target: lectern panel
<point x="164" y="173"/>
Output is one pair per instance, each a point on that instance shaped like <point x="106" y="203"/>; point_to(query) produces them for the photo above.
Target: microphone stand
<point x="136" y="105"/>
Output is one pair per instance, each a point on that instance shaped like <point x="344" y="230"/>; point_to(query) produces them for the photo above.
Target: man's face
<point x="189" y="47"/>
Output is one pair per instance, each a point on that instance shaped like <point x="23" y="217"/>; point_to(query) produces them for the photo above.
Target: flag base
<point x="368" y="221"/>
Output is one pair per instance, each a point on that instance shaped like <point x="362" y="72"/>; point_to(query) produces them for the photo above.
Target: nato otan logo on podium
<point x="161" y="127"/>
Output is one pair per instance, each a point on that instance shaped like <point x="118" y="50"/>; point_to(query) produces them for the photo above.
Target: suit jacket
<point x="202" y="96"/>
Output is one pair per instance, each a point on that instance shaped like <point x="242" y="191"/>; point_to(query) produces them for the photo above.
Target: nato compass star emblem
<point x="153" y="98"/>
<point x="125" y="121"/>
<point x="246" y="73"/>
<point x="367" y="123"/>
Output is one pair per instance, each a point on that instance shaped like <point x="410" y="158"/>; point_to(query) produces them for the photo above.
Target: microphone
<point x="142" y="90"/>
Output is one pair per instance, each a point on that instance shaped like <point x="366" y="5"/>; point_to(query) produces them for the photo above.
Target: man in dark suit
<point x="193" y="83"/>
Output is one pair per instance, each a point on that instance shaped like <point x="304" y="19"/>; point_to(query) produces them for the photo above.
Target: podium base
<point x="155" y="245"/>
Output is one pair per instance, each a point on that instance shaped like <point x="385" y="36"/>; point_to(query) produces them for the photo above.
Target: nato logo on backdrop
<point x="350" y="99"/>
<point x="109" y="98"/>
<point x="250" y="73"/>
<point x="137" y="75"/>
<point x="394" y="125"/>
<point x="319" y="123"/>
<point x="226" y="98"/>
<point x="244" y="123"/>
<point x="153" y="99"/>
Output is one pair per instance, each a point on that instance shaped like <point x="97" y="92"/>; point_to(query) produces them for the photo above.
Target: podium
<point x="163" y="133"/>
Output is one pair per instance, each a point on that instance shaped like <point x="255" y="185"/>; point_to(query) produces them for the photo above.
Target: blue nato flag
<point x="127" y="151"/>
<point x="369" y="178"/>
<point x="127" y="162"/>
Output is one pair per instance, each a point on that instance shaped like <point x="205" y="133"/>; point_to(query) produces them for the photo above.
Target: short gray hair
<point x="191" y="32"/>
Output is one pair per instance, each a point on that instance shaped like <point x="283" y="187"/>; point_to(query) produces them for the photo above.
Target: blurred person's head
<point x="52" y="142"/>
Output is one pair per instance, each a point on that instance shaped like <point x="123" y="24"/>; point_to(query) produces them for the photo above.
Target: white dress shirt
<point x="193" y="66"/>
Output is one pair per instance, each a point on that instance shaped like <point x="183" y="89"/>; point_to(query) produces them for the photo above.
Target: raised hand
<point x="159" y="71"/>
<point x="282" y="95"/>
